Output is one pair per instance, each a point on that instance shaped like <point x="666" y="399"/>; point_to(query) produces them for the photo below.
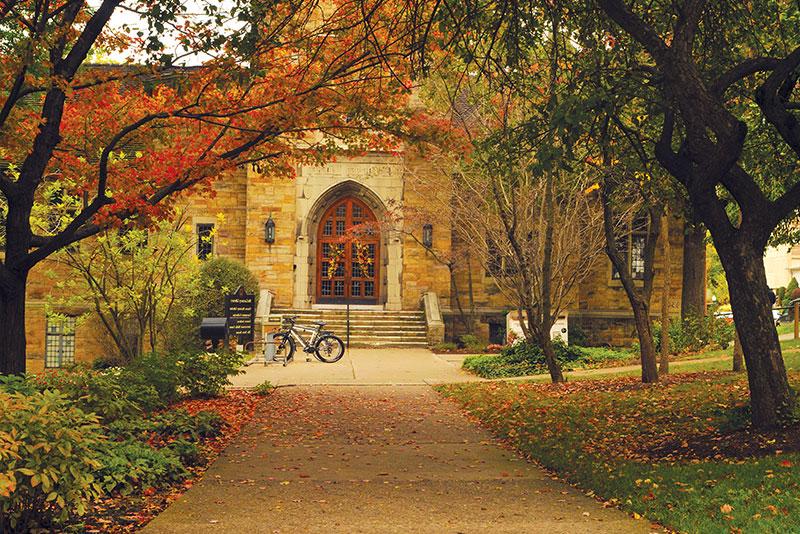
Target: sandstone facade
<point x="288" y="268"/>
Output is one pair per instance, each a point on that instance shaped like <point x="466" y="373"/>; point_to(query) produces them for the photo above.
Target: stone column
<point x="302" y="298"/>
<point x="394" y="273"/>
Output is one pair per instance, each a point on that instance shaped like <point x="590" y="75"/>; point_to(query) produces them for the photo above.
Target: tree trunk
<point x="12" y="325"/>
<point x="693" y="292"/>
<point x="550" y="358"/>
<point x="738" y="355"/>
<point x="665" y="296"/>
<point x="646" y="345"/>
<point x="771" y="398"/>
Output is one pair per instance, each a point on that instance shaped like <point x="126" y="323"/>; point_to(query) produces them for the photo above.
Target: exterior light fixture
<point x="427" y="235"/>
<point x="269" y="231"/>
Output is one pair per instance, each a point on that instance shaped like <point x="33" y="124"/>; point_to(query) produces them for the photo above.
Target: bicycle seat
<point x="319" y="323"/>
<point x="290" y="317"/>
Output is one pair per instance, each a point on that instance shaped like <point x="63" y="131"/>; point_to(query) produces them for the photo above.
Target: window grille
<point x="205" y="241"/>
<point x="60" y="342"/>
<point x="631" y="247"/>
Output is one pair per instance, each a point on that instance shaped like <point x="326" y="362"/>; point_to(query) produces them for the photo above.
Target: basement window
<point x="60" y="341"/>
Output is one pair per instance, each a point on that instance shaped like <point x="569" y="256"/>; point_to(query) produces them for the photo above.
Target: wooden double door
<point x="348" y="254"/>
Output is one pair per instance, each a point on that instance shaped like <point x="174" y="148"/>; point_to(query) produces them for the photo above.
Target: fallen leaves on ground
<point x="681" y="452"/>
<point x="130" y="513"/>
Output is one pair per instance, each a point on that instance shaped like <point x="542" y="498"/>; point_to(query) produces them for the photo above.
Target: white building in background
<point x="781" y="264"/>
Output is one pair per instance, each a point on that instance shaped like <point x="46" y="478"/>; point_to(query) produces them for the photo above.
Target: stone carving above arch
<point x="310" y="212"/>
<point x="347" y="188"/>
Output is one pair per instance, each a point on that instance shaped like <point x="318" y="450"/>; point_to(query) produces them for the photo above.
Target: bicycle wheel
<point x="285" y="347"/>
<point x="329" y="349"/>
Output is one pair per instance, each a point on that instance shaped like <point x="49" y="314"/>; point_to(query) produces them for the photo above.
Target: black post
<point x="348" y="326"/>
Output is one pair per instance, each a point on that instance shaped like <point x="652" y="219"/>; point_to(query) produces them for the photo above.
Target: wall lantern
<point x="427" y="235"/>
<point x="269" y="231"/>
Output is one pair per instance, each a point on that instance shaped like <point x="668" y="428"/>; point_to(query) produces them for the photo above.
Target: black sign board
<point x="240" y="309"/>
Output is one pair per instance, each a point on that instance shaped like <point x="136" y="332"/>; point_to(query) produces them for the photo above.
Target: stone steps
<point x="368" y="328"/>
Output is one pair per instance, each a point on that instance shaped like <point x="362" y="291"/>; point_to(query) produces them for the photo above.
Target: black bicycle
<point x="323" y="344"/>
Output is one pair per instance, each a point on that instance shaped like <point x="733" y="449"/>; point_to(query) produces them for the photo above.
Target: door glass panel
<point x="348" y="269"/>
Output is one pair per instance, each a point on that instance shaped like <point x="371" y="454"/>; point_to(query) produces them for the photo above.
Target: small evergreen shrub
<point x="577" y="336"/>
<point x="102" y="393"/>
<point x="219" y="277"/>
<point x="188" y="452"/>
<point x="159" y="371"/>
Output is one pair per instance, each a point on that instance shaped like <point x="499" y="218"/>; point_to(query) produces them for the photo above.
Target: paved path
<point x="377" y="459"/>
<point x="362" y="366"/>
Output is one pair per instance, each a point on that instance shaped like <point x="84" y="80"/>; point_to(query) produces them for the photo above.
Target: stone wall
<point x="269" y="196"/>
<point x="89" y="344"/>
<point x="425" y="270"/>
<point x="603" y="310"/>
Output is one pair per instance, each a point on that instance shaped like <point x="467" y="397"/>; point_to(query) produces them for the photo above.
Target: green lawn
<point x="679" y="453"/>
<point x="684" y="363"/>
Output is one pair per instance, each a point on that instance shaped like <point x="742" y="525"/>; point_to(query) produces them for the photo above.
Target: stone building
<point x="283" y="231"/>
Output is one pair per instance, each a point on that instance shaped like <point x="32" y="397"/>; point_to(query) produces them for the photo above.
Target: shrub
<point x="264" y="388"/>
<point x="92" y="391"/>
<point x="182" y="424"/>
<point x="48" y="453"/>
<point x="160" y="372"/>
<point x="168" y="426"/>
<point x="107" y="362"/>
<point x="472" y="342"/>
<point x="205" y="374"/>
<point x="520" y="359"/>
<point x="131" y="465"/>
<point x="221" y="276"/>
<point x="188" y="452"/>
<point x="790" y="287"/>
<point x="696" y="333"/>
<point x="18" y="384"/>
<point x="577" y="336"/>
<point x="445" y="347"/>
<point x="780" y="296"/>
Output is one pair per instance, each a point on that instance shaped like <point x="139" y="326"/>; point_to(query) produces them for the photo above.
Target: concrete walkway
<point x="362" y="366"/>
<point x="377" y="459"/>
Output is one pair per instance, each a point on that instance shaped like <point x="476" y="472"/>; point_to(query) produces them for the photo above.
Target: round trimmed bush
<point x="219" y="277"/>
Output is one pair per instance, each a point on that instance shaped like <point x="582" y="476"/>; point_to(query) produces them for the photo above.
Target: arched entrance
<point x="348" y="254"/>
